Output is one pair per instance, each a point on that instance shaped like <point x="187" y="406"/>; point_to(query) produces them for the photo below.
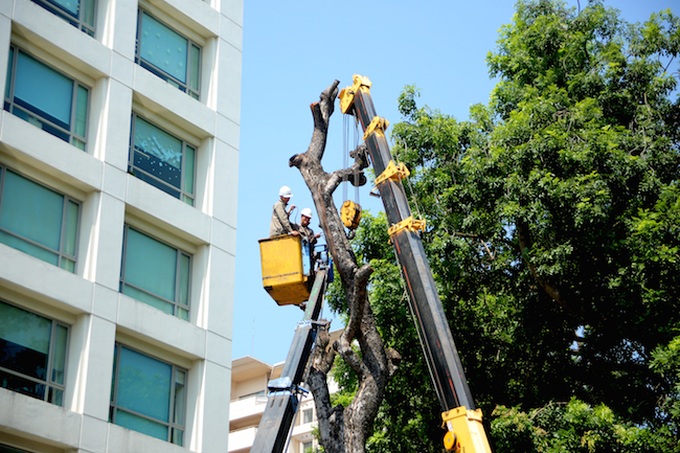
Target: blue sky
<point x="291" y="52"/>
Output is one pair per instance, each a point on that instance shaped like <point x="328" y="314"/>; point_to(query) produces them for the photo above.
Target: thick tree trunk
<point x="343" y="429"/>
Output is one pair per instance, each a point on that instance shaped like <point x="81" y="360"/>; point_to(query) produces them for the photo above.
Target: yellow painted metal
<point x="377" y="125"/>
<point x="350" y="213"/>
<point x="408" y="223"/>
<point x="347" y="94"/>
<point x="394" y="172"/>
<point x="465" y="432"/>
<point x="282" y="271"/>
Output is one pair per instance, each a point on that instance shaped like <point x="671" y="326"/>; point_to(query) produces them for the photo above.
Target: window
<point x="79" y="13"/>
<point x="32" y="354"/>
<point x="38" y="220"/>
<point x="155" y="273"/>
<point x="46" y="98"/>
<point x="307" y="416"/>
<point x="148" y="395"/>
<point x="168" y="54"/>
<point x="307" y="447"/>
<point x="162" y="160"/>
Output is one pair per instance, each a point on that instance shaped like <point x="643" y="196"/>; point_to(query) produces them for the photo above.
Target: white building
<point x="118" y="180"/>
<point x="249" y="380"/>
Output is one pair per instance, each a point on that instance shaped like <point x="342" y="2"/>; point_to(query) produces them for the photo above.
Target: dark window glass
<point x="32" y="354"/>
<point x="162" y="160"/>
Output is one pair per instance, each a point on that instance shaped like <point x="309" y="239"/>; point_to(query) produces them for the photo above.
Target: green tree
<point x="573" y="426"/>
<point x="553" y="220"/>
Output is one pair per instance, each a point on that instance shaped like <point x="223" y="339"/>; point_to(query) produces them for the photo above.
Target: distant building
<point x="249" y="380"/>
<point x="119" y="142"/>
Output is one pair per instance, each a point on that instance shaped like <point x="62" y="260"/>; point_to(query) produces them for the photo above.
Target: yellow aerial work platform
<point x="282" y="269"/>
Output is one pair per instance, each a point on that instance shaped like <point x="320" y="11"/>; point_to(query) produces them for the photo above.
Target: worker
<point x="308" y="239"/>
<point x="306" y="232"/>
<point x="280" y="222"/>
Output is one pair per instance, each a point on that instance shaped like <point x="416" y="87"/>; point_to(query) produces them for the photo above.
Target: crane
<point x="465" y="432"/>
<point x="284" y="279"/>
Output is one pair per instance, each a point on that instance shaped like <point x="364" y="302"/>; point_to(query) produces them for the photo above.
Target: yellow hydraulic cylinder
<point x="465" y="431"/>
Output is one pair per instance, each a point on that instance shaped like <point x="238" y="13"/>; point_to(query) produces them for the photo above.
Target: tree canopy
<point x="553" y="218"/>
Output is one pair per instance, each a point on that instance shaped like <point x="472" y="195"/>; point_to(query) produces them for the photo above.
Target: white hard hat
<point x="306" y="212"/>
<point x="285" y="191"/>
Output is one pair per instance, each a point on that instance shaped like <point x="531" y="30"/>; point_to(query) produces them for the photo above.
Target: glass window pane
<point x="44" y="89"/>
<point x="22" y="385"/>
<point x="69" y="5"/>
<point x="78" y="144"/>
<point x="150" y="264"/>
<point x="144" y="385"/>
<point x="31" y="210"/>
<point x="71" y="228"/>
<point x="67" y="264"/>
<point x="10" y="71"/>
<point x="163" y="47"/>
<point x="24" y="341"/>
<point x="79" y="128"/>
<point x="113" y="381"/>
<point x="149" y="299"/>
<point x="59" y="354"/>
<point x="30" y="249"/>
<point x="180" y="397"/>
<point x="56" y="396"/>
<point x="141" y="425"/>
<point x="87" y="16"/>
<point x="184" y="269"/>
<point x="143" y="162"/>
<point x="177" y="436"/>
<point x="164" y="150"/>
<point x="194" y="67"/>
<point x="190" y="157"/>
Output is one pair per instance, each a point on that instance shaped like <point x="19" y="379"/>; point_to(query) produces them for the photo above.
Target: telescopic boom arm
<point x="285" y="392"/>
<point x="463" y="421"/>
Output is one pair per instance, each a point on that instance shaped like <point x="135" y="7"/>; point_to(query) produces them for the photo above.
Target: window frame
<point x="172" y="426"/>
<point x="79" y="22"/>
<point x="182" y="193"/>
<point x="176" y="304"/>
<point x="185" y="87"/>
<point x="19" y="110"/>
<point x="307" y="416"/>
<point x="63" y="258"/>
<point x="51" y="386"/>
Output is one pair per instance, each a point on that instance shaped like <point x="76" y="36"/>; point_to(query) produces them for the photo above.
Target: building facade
<point x="118" y="188"/>
<point x="248" y="400"/>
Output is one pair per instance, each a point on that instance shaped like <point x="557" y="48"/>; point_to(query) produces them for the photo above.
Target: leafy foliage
<point x="553" y="231"/>
<point x="571" y="427"/>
